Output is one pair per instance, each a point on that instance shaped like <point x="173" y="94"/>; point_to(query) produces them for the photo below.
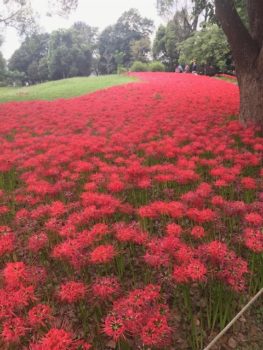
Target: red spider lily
<point x="59" y="339"/>
<point x="114" y="327"/>
<point x="156" y="332"/>
<point x="7" y="240"/>
<point x="72" y="291"/>
<point x="105" y="287"/>
<point x="39" y="315"/>
<point x="102" y="254"/>
<point x="130" y="232"/>
<point x="254" y="239"/>
<point x="198" y="232"/>
<point x="37" y="242"/>
<point x="254" y="219"/>
<point x="249" y="183"/>
<point x="13" y="329"/>
<point x="174" y="230"/>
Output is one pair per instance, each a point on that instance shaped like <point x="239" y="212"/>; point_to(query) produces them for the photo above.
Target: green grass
<point x="227" y="79"/>
<point x="65" y="88"/>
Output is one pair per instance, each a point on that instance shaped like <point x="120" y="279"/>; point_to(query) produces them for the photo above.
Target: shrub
<point x="156" y="66"/>
<point x="138" y="66"/>
<point x="122" y="70"/>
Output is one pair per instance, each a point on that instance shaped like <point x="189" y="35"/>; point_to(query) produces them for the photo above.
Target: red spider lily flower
<point x="156" y="332"/>
<point x="57" y="208"/>
<point x="7" y="240"/>
<point x="59" y="339"/>
<point x="37" y="242"/>
<point x="39" y="315"/>
<point x="114" y="327"/>
<point x="174" y="230"/>
<point x="15" y="274"/>
<point x="249" y="183"/>
<point x="13" y="329"/>
<point x="198" y="232"/>
<point x="201" y="216"/>
<point x="195" y="270"/>
<point x="218" y="201"/>
<point x="254" y="219"/>
<point x="72" y="291"/>
<point x="102" y="254"/>
<point x="104" y="287"/>
<point x="254" y="239"/>
<point x="130" y="232"/>
<point x="4" y="209"/>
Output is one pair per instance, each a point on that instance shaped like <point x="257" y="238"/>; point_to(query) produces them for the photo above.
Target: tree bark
<point x="247" y="51"/>
<point x="251" y="97"/>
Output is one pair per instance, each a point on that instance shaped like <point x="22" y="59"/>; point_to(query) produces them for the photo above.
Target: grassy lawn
<point x="65" y="88"/>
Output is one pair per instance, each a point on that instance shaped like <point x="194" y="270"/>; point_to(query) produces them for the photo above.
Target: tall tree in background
<point x="70" y="51"/>
<point x="120" y="37"/>
<point x="107" y="46"/>
<point x="29" y="56"/>
<point x="167" y="39"/>
<point x="209" y="47"/>
<point x="246" y="42"/>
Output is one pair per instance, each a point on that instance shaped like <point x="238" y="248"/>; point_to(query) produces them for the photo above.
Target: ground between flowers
<point x="130" y="218"/>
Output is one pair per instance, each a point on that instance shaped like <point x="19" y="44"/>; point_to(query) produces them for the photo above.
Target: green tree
<point x="107" y="47"/>
<point x="208" y="46"/>
<point x="71" y="51"/>
<point x="2" y="68"/>
<point x="140" y="49"/>
<point x="242" y="22"/>
<point x="129" y="28"/>
<point x="26" y="59"/>
<point x="165" y="47"/>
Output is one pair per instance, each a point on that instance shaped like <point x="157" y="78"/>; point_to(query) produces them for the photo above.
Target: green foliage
<point x="208" y="47"/>
<point x="129" y="36"/>
<point x="70" y="51"/>
<point x="62" y="88"/>
<point x="140" y="49"/>
<point x="29" y="56"/>
<point x="2" y="68"/>
<point x="138" y="66"/>
<point x="64" y="53"/>
<point x="156" y="66"/>
<point x="165" y="46"/>
<point x="122" y="70"/>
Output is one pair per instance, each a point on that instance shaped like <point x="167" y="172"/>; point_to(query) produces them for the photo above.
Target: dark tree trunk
<point x="251" y="97"/>
<point x="247" y="50"/>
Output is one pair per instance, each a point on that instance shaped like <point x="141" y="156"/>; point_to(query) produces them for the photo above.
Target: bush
<point x="156" y="66"/>
<point x="138" y="66"/>
<point x="122" y="70"/>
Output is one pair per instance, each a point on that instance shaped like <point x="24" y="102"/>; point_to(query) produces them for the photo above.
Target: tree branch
<point x="11" y="17"/>
<point x="255" y="16"/>
<point x="244" y="49"/>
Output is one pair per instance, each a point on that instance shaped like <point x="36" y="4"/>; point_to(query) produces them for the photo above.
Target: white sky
<point x="97" y="13"/>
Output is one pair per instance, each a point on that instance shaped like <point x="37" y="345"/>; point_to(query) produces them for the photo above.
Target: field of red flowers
<point x="130" y="218"/>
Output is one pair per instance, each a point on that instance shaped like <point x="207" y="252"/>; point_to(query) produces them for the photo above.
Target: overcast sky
<point x="97" y="13"/>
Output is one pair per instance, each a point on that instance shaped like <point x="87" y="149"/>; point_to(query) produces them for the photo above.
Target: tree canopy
<point x="118" y="43"/>
<point x="208" y="47"/>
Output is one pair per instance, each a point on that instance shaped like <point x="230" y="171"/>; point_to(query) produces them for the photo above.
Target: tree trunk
<point x="251" y="96"/>
<point x="247" y="51"/>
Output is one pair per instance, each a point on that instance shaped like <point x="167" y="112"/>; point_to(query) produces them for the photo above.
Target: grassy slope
<point x="65" y="88"/>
